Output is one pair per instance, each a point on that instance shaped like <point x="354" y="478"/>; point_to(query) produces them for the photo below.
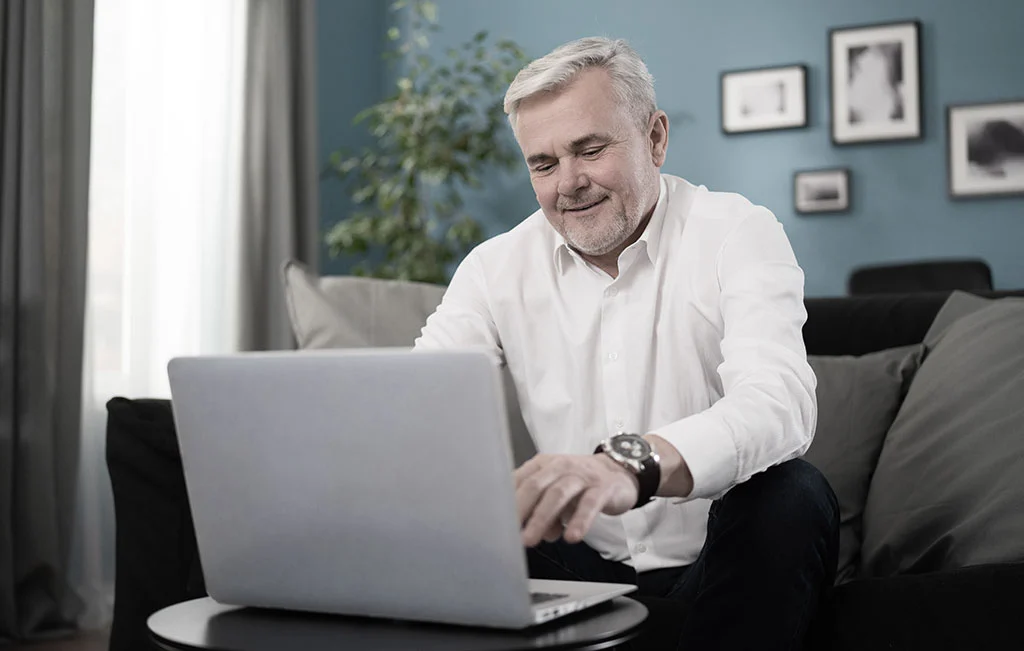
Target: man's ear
<point x="658" y="137"/>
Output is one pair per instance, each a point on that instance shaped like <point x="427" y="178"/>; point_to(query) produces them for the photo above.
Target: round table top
<point x="206" y="624"/>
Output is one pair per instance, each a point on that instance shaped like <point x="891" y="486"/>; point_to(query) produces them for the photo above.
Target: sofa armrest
<point x="968" y="608"/>
<point x="156" y="559"/>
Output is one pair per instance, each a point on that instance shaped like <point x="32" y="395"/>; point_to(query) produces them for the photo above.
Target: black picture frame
<point x="793" y="113"/>
<point x="805" y="204"/>
<point x="896" y="48"/>
<point x="995" y="148"/>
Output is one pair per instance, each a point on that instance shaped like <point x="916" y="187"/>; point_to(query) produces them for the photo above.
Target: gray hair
<point x="632" y="84"/>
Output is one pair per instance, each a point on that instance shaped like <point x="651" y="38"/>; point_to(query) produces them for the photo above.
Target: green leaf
<point x="432" y="139"/>
<point x="364" y="193"/>
<point x="429" y="10"/>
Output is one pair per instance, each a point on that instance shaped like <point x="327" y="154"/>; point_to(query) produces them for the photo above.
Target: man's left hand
<point x="552" y="489"/>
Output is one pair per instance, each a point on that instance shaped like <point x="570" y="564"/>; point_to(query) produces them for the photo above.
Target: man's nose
<point x="571" y="178"/>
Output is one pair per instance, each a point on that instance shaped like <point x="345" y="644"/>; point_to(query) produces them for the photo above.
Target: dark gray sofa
<point x="974" y="607"/>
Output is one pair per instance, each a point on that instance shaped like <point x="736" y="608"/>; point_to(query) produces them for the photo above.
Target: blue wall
<point x="349" y="77"/>
<point x="901" y="208"/>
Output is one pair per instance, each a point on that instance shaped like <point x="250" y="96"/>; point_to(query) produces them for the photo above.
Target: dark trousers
<point x="770" y="554"/>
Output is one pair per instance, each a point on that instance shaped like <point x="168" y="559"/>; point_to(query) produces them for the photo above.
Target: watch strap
<point x="648" y="479"/>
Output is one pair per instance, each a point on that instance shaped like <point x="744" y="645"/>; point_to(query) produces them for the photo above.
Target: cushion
<point x="354" y="312"/>
<point x="858" y="398"/>
<point x="949" y="484"/>
<point x="958" y="305"/>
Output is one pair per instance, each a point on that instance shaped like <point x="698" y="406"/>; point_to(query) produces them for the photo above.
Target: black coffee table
<point x="206" y="624"/>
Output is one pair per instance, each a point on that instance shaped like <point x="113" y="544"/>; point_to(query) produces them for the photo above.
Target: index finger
<point x="532" y="466"/>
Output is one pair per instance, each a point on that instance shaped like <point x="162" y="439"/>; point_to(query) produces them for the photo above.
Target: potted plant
<point x="434" y="136"/>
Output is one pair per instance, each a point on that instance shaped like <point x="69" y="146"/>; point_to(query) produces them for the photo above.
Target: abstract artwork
<point x="816" y="191"/>
<point x="985" y="151"/>
<point x="876" y="83"/>
<point x="764" y="99"/>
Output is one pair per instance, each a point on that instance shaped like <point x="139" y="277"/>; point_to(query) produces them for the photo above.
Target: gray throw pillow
<point x="958" y="305"/>
<point x="354" y="312"/>
<point x="949" y="486"/>
<point x="858" y="398"/>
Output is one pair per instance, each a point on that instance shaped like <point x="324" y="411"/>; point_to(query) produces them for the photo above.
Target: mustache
<point x="579" y="202"/>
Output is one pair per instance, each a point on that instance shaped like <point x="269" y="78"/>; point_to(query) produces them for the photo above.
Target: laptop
<point x="370" y="482"/>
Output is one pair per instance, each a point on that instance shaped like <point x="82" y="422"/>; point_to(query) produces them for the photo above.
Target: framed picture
<point x="764" y="99"/>
<point x="985" y="151"/>
<point x="876" y="83"/>
<point x="816" y="191"/>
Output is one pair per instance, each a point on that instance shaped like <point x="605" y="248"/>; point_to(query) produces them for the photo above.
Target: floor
<point x="90" y="641"/>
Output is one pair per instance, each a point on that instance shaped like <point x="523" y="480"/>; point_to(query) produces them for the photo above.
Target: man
<point x="658" y="324"/>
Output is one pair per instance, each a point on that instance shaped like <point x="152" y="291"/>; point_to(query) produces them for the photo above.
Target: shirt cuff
<point x="709" y="452"/>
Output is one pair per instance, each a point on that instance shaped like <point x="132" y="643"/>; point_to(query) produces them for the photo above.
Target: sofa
<point x="921" y="434"/>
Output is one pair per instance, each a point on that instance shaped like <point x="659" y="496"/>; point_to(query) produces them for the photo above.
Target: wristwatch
<point x="635" y="454"/>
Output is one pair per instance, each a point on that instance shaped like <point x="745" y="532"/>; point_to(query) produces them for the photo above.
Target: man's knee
<point x="788" y="503"/>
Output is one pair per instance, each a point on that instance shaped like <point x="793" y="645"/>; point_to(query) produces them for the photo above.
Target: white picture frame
<point x="764" y="99"/>
<point x="985" y="149"/>
<point x="875" y="78"/>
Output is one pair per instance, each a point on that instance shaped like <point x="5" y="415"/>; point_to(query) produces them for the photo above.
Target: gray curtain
<point x="45" y="80"/>
<point x="280" y="203"/>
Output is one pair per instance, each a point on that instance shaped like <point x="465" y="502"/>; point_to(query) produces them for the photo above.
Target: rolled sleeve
<point x="768" y="410"/>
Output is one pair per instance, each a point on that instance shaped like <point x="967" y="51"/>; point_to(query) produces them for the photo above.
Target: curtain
<point x="204" y="183"/>
<point x="164" y="222"/>
<point x="45" y="72"/>
<point x="281" y="210"/>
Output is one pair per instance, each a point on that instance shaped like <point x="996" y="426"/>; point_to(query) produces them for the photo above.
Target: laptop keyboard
<point x="541" y="597"/>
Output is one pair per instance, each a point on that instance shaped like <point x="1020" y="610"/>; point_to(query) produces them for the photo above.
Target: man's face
<point x="592" y="168"/>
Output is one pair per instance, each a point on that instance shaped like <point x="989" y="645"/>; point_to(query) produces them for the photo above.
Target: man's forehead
<point x="543" y="127"/>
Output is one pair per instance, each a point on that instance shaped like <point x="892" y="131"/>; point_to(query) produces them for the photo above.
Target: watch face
<point x="631" y="446"/>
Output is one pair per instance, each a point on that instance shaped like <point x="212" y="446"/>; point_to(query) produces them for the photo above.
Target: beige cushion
<point x="353" y="312"/>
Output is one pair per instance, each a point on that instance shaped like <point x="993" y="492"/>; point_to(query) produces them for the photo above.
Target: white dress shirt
<point x="698" y="340"/>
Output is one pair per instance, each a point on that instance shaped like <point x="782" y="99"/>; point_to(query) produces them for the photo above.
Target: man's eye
<point x="593" y="152"/>
<point x="543" y="168"/>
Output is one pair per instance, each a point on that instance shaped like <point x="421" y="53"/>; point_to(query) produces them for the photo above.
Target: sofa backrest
<point x="350" y="312"/>
<point x="857" y="325"/>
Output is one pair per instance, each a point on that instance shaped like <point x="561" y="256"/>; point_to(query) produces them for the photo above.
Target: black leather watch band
<point x="648" y="478"/>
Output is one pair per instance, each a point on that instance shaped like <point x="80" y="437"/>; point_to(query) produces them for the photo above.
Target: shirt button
<point x="613" y="356"/>
<point x="640" y="548"/>
<point x="612" y="292"/>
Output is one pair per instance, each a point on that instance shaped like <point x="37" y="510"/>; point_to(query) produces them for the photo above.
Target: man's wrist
<point x="608" y="461"/>
<point x="676" y="480"/>
<point x="636" y="456"/>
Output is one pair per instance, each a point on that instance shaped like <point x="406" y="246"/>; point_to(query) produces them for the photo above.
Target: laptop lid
<point x="366" y="482"/>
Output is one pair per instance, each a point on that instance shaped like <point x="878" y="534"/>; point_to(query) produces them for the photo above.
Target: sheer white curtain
<point x="164" y="226"/>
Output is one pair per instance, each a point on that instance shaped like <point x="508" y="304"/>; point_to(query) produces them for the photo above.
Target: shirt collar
<point x="651" y="237"/>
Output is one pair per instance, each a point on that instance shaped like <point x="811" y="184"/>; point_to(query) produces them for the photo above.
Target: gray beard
<point x="589" y="244"/>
